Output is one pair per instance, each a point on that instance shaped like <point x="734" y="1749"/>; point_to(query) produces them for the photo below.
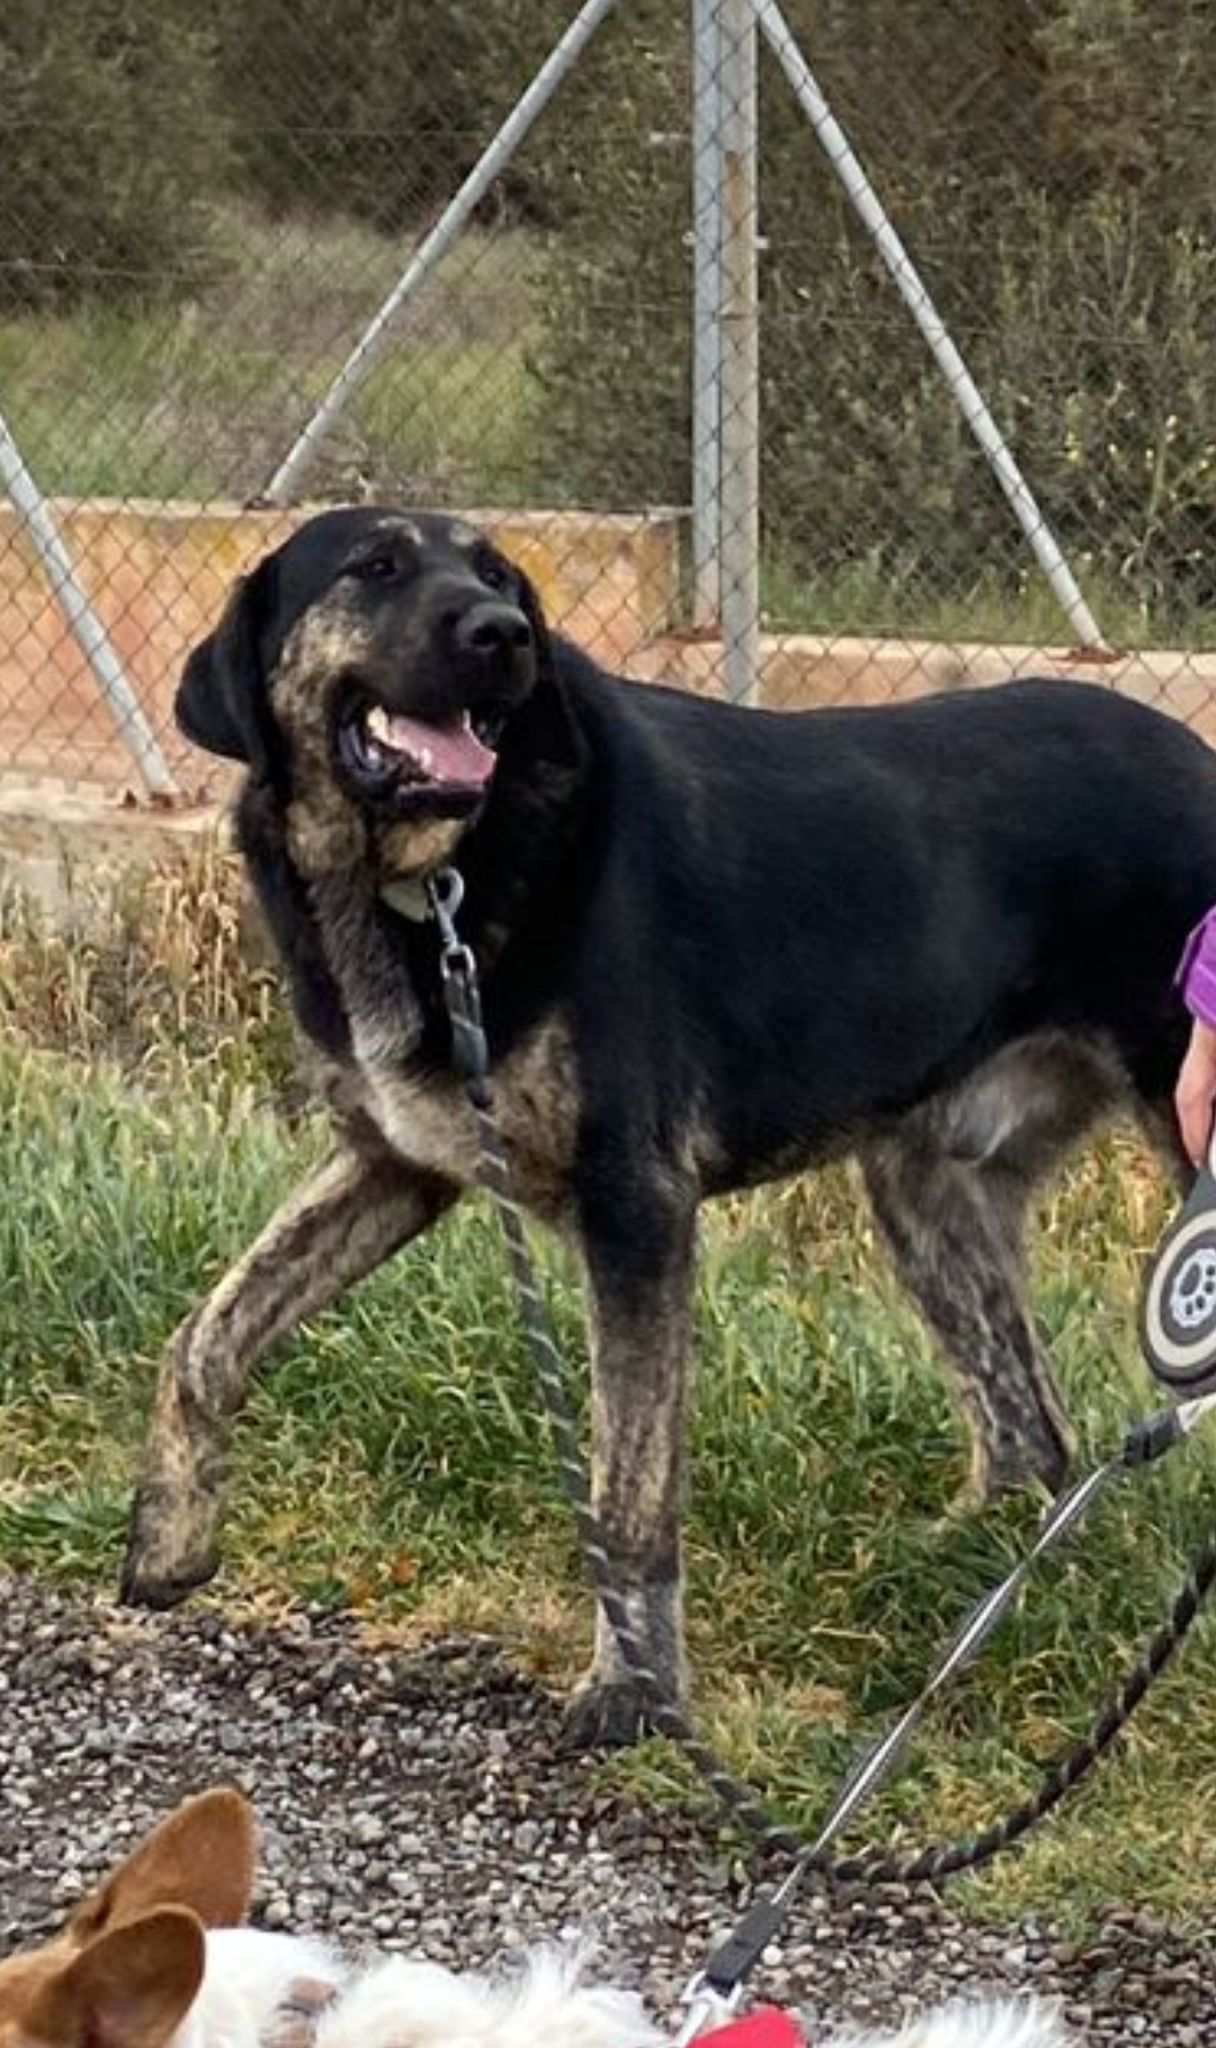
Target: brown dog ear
<point x="202" y="1857"/>
<point x="223" y="698"/>
<point x="533" y="611"/>
<point x="130" y="1988"/>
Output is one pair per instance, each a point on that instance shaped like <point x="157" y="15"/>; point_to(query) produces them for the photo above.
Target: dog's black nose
<point x="492" y="627"/>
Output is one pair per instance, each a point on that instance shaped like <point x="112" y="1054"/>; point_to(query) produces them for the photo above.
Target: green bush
<point x="109" y="138"/>
<point x="1048" y="168"/>
<point x="616" y="311"/>
<point x="1046" y="164"/>
<point x="375" y="108"/>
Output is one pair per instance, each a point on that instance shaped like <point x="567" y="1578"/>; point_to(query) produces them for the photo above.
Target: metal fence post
<point x="739" y="327"/>
<point x="490" y="165"/>
<point x="706" y="452"/>
<point x="86" y="628"/>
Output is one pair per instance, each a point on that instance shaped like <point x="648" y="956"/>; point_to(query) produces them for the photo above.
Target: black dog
<point x="716" y="945"/>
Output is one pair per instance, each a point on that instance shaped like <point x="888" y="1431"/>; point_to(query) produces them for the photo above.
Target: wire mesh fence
<point x="817" y="354"/>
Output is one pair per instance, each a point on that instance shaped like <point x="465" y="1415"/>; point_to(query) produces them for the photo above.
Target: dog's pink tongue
<point x="446" y="753"/>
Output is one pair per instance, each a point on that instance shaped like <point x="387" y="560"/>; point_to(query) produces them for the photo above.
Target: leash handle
<point x="734" y="1959"/>
<point x="1178" y="1304"/>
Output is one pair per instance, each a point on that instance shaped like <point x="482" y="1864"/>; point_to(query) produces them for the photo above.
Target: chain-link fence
<point x="819" y="353"/>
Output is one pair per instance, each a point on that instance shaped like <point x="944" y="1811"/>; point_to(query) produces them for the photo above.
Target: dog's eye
<point x="375" y="568"/>
<point x="495" y="574"/>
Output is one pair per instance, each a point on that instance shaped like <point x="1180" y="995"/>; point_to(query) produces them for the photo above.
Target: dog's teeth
<point x="375" y="754"/>
<point x="376" y="723"/>
<point x="426" y="760"/>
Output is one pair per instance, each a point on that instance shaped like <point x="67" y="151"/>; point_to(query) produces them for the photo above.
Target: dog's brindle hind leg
<point x="640" y="1272"/>
<point x="950" y="1188"/>
<point x="952" y="1249"/>
<point x="350" y="1215"/>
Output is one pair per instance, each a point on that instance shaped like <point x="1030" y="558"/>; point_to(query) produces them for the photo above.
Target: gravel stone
<point x="418" y="1801"/>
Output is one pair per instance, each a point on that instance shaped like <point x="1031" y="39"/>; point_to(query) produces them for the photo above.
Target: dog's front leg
<point x="639" y="1257"/>
<point x="347" y="1218"/>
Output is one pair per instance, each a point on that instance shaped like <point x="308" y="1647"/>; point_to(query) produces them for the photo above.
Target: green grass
<point x="876" y="597"/>
<point x="202" y="399"/>
<point x="390" y="1463"/>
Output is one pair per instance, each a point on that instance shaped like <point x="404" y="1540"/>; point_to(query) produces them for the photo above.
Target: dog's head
<point x="377" y="657"/>
<point x="128" y="1966"/>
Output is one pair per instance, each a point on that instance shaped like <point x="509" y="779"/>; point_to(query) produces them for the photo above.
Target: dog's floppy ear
<point x="545" y="726"/>
<point x="202" y="1857"/>
<point x="130" y="1988"/>
<point x="223" y="700"/>
<point x="533" y="611"/>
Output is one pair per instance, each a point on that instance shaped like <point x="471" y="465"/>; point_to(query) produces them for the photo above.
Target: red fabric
<point x="766" y="2028"/>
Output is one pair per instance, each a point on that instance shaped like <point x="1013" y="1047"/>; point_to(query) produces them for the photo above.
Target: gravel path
<point x="418" y="1802"/>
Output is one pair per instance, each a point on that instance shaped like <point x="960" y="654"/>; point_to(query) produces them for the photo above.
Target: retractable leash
<point x="1178" y="1326"/>
<point x="1178" y="1310"/>
<point x="715" y="1990"/>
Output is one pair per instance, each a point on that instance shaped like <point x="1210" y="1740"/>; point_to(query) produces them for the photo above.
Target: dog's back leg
<point x="360" y="1206"/>
<point x="950" y="1242"/>
<point x="950" y="1187"/>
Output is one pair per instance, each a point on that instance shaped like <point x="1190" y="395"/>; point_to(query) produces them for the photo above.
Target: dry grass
<point x="166" y="975"/>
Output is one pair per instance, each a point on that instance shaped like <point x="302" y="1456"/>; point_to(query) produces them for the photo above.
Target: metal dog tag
<point x="1178" y="1309"/>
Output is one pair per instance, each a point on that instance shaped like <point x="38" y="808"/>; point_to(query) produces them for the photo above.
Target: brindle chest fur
<point x="424" y="1117"/>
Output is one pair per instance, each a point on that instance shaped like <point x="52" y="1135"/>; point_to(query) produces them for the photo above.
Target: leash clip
<point x="706" y="2008"/>
<point x="458" y="970"/>
<point x="712" y="2013"/>
<point x="445" y="894"/>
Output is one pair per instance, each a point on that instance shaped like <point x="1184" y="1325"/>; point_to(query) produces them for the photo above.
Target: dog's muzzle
<point x="442" y="761"/>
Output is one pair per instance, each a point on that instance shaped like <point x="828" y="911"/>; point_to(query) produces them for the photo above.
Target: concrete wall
<point x="158" y="574"/>
<point x="800" y="671"/>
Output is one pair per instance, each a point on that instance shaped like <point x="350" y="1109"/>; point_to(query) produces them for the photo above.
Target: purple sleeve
<point x="1196" y="976"/>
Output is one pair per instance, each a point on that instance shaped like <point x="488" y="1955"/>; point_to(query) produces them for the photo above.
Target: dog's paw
<point x="1040" y="1466"/>
<point x="1043" y="1482"/>
<point x="140" y="1587"/>
<point x="973" y="1499"/>
<point x="158" y="1572"/>
<point x="606" y="1714"/>
<point x="137" y="1588"/>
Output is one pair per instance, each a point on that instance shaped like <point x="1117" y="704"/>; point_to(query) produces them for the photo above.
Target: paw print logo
<point x="1193" y="1293"/>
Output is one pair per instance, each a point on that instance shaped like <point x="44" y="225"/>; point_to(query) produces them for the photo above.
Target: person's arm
<point x="1195" y="1093"/>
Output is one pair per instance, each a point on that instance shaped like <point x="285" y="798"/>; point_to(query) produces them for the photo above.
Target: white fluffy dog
<point x="158" y="1958"/>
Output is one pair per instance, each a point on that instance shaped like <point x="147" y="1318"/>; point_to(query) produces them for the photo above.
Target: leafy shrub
<point x="109" y="137"/>
<point x="1047" y="167"/>
<point x="376" y="108"/>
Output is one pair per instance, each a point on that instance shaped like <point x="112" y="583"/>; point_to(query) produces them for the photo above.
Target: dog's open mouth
<point x="416" y="761"/>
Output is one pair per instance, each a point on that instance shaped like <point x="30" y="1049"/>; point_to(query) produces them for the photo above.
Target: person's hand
<point x="1195" y="1093"/>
